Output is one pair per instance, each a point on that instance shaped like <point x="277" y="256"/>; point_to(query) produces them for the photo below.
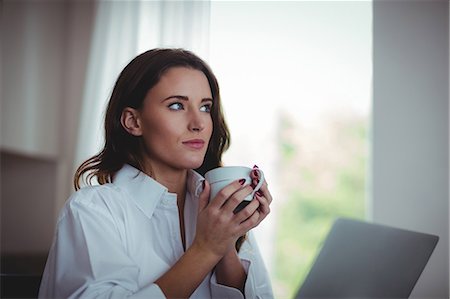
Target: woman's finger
<point x="260" y="204"/>
<point x="223" y="195"/>
<point x="250" y="222"/>
<point x="247" y="212"/>
<point x="236" y="198"/>
<point x="264" y="191"/>
<point x="264" y="203"/>
<point x="254" y="175"/>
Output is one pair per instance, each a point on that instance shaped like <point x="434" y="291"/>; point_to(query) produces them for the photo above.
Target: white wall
<point x="411" y="127"/>
<point x="31" y="53"/>
<point x="44" y="53"/>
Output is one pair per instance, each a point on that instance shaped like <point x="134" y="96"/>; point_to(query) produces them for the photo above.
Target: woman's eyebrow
<point x="180" y="97"/>
<point x="185" y="98"/>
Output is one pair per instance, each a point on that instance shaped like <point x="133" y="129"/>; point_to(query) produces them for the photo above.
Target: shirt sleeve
<point x="257" y="284"/>
<point x="88" y="258"/>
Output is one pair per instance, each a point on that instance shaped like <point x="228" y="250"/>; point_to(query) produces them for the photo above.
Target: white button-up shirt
<point x="115" y="240"/>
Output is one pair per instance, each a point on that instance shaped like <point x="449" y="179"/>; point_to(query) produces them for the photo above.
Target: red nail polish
<point x="259" y="193"/>
<point x="255" y="173"/>
<point x="242" y="181"/>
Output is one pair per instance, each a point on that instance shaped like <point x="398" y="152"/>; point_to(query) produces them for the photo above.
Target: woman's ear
<point x="130" y="121"/>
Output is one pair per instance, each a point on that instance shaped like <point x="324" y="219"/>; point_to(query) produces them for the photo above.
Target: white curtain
<point x="122" y="30"/>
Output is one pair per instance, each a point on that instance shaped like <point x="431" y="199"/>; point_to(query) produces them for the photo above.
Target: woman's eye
<point x="176" y="106"/>
<point x="206" y="108"/>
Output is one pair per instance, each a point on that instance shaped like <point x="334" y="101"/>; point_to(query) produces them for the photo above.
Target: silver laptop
<point x="364" y="260"/>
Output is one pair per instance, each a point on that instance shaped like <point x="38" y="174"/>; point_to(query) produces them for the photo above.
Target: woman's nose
<point x="196" y="123"/>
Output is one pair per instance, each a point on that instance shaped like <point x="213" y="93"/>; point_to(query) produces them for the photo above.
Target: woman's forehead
<point x="183" y="79"/>
<point x="180" y="82"/>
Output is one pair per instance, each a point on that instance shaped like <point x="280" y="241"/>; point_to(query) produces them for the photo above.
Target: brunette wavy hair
<point x="132" y="85"/>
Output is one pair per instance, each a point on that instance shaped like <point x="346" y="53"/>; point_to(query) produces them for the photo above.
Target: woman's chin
<point x="192" y="164"/>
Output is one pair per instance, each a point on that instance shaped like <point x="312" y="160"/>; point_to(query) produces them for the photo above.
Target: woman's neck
<point x="173" y="179"/>
<point x="174" y="182"/>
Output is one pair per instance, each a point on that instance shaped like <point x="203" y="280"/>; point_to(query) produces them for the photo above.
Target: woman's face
<point x="176" y="121"/>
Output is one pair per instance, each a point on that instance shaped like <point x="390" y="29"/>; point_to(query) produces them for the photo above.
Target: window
<point x="296" y="82"/>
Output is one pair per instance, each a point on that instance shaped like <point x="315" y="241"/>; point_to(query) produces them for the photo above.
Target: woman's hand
<point x="218" y="227"/>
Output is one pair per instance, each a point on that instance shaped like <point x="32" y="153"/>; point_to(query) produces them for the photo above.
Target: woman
<point x="148" y="230"/>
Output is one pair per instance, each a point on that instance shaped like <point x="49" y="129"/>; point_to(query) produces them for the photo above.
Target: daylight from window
<point x="296" y="83"/>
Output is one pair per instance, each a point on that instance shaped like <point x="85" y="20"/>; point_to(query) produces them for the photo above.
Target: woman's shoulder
<point x="105" y="199"/>
<point x="96" y="194"/>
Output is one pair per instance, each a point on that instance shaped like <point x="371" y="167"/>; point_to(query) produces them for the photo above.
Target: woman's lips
<point x="195" y="143"/>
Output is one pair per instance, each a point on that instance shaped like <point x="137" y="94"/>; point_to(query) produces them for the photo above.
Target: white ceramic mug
<point x="220" y="177"/>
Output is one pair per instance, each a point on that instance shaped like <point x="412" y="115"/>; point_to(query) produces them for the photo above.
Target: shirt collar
<point x="146" y="192"/>
<point x="194" y="183"/>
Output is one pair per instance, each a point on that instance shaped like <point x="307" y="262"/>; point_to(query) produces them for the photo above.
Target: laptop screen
<point x="365" y="260"/>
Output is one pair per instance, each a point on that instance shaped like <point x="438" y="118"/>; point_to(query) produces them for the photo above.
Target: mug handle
<point x="260" y="183"/>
